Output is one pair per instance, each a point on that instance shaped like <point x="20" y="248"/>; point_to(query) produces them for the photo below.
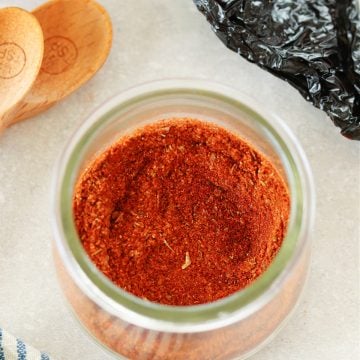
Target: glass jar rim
<point x="182" y="318"/>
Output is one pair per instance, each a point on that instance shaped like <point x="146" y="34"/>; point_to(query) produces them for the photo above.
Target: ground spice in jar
<point x="181" y="212"/>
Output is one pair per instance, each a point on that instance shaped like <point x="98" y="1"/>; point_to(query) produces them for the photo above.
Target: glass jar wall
<point x="234" y="327"/>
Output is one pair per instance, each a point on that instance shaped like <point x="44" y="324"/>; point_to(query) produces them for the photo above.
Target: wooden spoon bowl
<point x="78" y="37"/>
<point x="21" y="54"/>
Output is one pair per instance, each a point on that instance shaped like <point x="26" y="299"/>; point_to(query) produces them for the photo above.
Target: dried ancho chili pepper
<point x="314" y="45"/>
<point x="181" y="212"/>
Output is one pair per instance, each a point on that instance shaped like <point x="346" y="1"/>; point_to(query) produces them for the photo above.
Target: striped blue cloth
<point x="12" y="348"/>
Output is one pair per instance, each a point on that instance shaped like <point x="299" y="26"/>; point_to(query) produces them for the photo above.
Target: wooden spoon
<point x="78" y="37"/>
<point x="21" y="53"/>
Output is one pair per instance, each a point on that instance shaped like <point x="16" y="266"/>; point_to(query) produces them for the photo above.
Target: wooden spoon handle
<point x="24" y="110"/>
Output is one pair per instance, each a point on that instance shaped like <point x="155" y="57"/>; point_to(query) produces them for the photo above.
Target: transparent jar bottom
<point x="237" y="341"/>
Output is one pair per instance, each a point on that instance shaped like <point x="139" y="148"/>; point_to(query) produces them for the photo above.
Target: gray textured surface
<point x="171" y="39"/>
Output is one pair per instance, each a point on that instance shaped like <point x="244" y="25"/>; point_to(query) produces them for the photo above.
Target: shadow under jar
<point x="234" y="327"/>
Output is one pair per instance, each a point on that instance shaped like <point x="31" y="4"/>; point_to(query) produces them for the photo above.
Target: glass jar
<point x="233" y="327"/>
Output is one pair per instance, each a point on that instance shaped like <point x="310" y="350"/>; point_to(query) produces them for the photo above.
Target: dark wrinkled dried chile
<point x="312" y="44"/>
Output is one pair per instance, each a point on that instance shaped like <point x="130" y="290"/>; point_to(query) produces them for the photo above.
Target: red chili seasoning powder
<point x="181" y="212"/>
